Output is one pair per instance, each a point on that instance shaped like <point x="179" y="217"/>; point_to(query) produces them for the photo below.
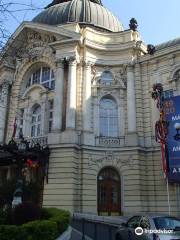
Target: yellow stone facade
<point x="78" y="56"/>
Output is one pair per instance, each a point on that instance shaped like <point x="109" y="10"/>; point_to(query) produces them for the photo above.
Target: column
<point x="71" y="95"/>
<point x="58" y="99"/>
<point x="4" y="109"/>
<point x="131" y="99"/>
<point x="87" y="97"/>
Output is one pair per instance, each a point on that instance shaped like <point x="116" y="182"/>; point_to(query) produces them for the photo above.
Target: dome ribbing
<point x="90" y="12"/>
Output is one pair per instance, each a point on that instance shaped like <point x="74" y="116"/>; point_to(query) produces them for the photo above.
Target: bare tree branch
<point x="10" y="9"/>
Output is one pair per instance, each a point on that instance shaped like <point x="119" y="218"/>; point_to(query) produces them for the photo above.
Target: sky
<point x="158" y="20"/>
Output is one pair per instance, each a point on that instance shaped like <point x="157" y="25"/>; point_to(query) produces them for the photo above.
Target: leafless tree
<point x="15" y="10"/>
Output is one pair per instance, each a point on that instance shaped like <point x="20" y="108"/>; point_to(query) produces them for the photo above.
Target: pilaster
<point x="71" y="94"/>
<point x="58" y="99"/>
<point x="4" y="108"/>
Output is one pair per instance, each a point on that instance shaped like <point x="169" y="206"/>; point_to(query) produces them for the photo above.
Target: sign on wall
<point x="172" y="110"/>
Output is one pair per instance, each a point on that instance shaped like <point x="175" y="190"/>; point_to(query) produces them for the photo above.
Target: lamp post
<point x="22" y="147"/>
<point x="177" y="127"/>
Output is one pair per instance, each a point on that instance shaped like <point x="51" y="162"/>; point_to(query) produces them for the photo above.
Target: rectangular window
<point x="51" y="106"/>
<point x="21" y="121"/>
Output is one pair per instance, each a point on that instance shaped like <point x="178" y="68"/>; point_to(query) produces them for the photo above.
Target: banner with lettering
<point x="172" y="110"/>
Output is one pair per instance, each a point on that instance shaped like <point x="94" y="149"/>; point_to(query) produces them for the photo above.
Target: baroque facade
<point x="74" y="79"/>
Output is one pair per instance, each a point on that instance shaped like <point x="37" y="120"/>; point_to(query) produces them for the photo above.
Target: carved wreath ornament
<point x="110" y="158"/>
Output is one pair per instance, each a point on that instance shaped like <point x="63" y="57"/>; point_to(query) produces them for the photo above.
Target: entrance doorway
<point x="109" y="192"/>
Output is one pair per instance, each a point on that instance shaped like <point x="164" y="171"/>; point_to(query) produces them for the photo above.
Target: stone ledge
<point x="66" y="235"/>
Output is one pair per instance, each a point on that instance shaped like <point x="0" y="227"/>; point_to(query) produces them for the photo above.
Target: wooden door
<point x="109" y="202"/>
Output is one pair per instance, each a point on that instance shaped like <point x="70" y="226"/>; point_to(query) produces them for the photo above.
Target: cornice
<point x="159" y="53"/>
<point x="110" y="47"/>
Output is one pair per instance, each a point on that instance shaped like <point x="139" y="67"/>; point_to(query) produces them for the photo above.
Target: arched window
<point x="36" y="122"/>
<point x="106" y="78"/>
<point x="44" y="76"/>
<point x="108" y="117"/>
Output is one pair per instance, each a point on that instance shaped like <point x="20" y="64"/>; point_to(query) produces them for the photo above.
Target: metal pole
<point x="178" y="198"/>
<point x="95" y="231"/>
<point x="110" y="232"/>
<point x="83" y="229"/>
<point x="169" y="206"/>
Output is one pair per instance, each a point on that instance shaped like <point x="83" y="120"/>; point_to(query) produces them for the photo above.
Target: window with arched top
<point x="108" y="119"/>
<point x="43" y="75"/>
<point x="106" y="78"/>
<point x="109" y="192"/>
<point x="36" y="122"/>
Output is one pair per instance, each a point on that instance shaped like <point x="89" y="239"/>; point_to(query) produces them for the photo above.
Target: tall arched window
<point x="44" y="76"/>
<point x="36" y="122"/>
<point x="106" y="78"/>
<point x="108" y="117"/>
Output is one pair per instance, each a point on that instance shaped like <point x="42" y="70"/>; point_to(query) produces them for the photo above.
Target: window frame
<point x="106" y="115"/>
<point x="37" y="124"/>
<point x="49" y="83"/>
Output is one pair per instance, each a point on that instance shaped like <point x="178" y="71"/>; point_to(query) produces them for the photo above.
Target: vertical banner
<point x="172" y="111"/>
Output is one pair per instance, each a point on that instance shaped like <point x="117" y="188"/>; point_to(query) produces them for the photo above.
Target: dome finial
<point x="54" y="2"/>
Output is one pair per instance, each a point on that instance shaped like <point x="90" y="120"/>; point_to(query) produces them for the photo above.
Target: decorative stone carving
<point x="37" y="45"/>
<point x="38" y="39"/>
<point x="110" y="158"/>
<point x="120" y="77"/>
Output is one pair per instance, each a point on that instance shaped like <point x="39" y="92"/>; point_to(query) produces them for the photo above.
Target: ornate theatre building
<point x="74" y="79"/>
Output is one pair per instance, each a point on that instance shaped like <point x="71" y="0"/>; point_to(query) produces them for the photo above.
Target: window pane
<point x="108" y="118"/>
<point x="45" y="74"/>
<point x="36" y="77"/>
<point x="36" y="122"/>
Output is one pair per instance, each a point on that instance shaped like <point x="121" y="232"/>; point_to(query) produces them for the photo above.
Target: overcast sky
<point x="159" y="20"/>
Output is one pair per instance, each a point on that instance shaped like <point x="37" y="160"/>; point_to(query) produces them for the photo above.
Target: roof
<point x="168" y="44"/>
<point x="80" y="11"/>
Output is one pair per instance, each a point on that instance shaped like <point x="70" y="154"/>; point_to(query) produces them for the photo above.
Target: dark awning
<point x="6" y="158"/>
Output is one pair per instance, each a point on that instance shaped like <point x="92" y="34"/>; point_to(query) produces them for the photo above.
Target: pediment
<point x="32" y="37"/>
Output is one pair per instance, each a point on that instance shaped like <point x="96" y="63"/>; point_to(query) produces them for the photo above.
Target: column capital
<point x="60" y="63"/>
<point x="130" y="66"/>
<point x="72" y="60"/>
<point x="88" y="64"/>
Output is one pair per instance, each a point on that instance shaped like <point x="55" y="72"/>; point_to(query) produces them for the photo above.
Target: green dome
<point x="88" y="12"/>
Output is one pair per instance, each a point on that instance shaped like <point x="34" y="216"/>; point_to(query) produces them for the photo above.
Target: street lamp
<point x="17" y="198"/>
<point x="177" y="127"/>
<point x="23" y="145"/>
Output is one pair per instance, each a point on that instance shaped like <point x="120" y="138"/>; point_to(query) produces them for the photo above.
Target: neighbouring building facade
<point x="75" y="80"/>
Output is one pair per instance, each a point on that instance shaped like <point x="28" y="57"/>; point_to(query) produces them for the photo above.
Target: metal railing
<point x="42" y="140"/>
<point x="96" y="227"/>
